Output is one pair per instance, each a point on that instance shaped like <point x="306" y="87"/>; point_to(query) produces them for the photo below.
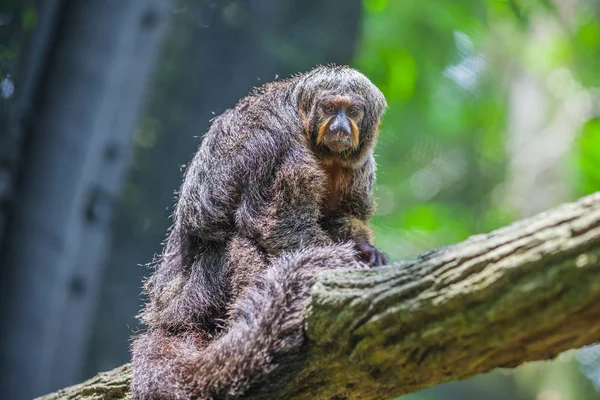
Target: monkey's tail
<point x="264" y="339"/>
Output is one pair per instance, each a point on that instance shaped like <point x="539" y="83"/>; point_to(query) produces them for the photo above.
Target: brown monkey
<point x="280" y="189"/>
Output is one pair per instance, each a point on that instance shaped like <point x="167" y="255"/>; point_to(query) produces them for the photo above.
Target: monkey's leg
<point x="263" y="340"/>
<point x="290" y="221"/>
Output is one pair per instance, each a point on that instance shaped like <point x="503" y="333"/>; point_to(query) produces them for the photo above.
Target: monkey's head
<point x="341" y="110"/>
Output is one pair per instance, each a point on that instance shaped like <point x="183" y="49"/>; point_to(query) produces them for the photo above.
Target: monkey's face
<point x="338" y="121"/>
<point x="340" y="111"/>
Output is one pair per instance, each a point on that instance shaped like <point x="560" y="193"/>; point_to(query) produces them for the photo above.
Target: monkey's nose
<point x="340" y="124"/>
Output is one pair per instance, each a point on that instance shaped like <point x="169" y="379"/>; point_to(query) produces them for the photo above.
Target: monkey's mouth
<point x="339" y="142"/>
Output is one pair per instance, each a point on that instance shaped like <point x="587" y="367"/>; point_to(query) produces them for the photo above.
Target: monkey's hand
<point x="344" y="229"/>
<point x="371" y="254"/>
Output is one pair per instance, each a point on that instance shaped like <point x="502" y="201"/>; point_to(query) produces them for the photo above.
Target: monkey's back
<point x="234" y="168"/>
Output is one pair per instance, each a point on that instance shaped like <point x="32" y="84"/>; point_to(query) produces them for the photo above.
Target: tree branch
<point x="521" y="293"/>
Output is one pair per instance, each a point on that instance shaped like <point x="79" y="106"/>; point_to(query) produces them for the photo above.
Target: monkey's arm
<point x="264" y="338"/>
<point x="351" y="221"/>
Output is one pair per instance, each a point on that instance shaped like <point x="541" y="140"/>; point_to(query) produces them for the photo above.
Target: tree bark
<point x="522" y="293"/>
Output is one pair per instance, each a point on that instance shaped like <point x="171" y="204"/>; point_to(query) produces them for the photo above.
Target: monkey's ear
<point x="379" y="102"/>
<point x="303" y="99"/>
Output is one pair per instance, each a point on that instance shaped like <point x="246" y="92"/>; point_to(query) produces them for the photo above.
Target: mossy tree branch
<point x="521" y="293"/>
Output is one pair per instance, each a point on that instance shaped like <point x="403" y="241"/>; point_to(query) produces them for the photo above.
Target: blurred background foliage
<point x="446" y="69"/>
<point x="465" y="81"/>
<point x="494" y="114"/>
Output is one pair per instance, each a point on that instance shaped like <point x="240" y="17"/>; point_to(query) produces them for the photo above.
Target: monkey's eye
<point x="329" y="108"/>
<point x="353" y="111"/>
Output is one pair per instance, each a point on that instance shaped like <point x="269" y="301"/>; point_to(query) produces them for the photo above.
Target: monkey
<point x="281" y="188"/>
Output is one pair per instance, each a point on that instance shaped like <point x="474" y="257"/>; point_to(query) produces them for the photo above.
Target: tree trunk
<point x="88" y="101"/>
<point x="522" y="293"/>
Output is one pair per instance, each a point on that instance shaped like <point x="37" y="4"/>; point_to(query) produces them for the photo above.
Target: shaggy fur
<point x="262" y="209"/>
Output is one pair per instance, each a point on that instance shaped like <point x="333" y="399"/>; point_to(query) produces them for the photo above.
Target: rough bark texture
<point x="113" y="385"/>
<point x="522" y="293"/>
